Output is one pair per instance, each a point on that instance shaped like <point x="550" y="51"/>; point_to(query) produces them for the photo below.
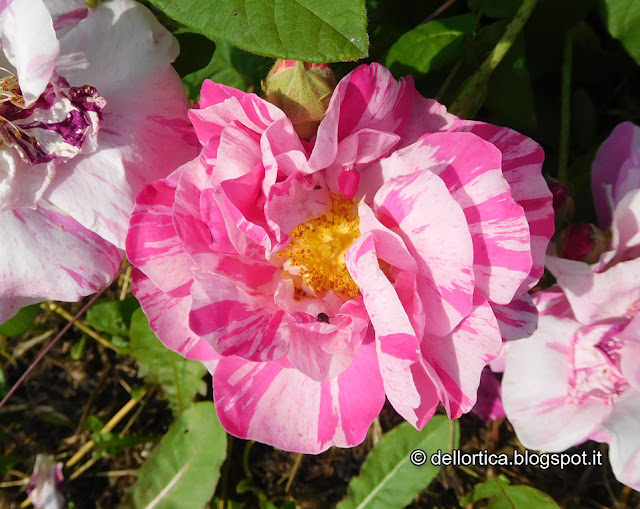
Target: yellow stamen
<point x="318" y="248"/>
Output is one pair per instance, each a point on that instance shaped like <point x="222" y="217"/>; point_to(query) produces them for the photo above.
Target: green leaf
<point x="180" y="378"/>
<point x="509" y="497"/>
<point x="110" y="444"/>
<point x="623" y="22"/>
<point x="431" y="46"/>
<point x="93" y="423"/>
<point x="311" y="30"/>
<point x="20" y="323"/>
<point x="183" y="470"/>
<point x="495" y="8"/>
<point x="388" y="479"/>
<point x="112" y="316"/>
<point x="195" y="52"/>
<point x="230" y="66"/>
<point x="78" y="348"/>
<point x="4" y="386"/>
<point x="510" y="93"/>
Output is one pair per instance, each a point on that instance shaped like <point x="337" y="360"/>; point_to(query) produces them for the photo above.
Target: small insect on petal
<point x="323" y="317"/>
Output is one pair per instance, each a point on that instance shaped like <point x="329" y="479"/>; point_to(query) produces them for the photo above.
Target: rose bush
<point x="91" y="111"/>
<point x="577" y="377"/>
<point x="386" y="255"/>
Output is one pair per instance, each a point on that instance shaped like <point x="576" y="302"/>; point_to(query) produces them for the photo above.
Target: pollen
<point x="318" y="248"/>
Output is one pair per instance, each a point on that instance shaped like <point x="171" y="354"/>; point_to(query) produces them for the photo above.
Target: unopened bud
<point x="563" y="204"/>
<point x="302" y="90"/>
<point x="583" y="242"/>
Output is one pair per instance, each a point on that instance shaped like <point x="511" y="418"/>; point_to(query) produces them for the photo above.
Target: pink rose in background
<point x="578" y="376"/>
<point x="92" y="111"/>
<point x="386" y="256"/>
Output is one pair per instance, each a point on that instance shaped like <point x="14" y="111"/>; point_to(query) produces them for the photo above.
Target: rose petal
<point x="624" y="445"/>
<point x="29" y="42"/>
<point x="407" y="377"/>
<point x="458" y="358"/>
<point x="615" y="151"/>
<point x="48" y="255"/>
<point x="597" y="296"/>
<point x="99" y="189"/>
<point x="152" y="243"/>
<point x="518" y="319"/>
<point x="278" y="405"/>
<point x="535" y="389"/>
<point x="522" y="168"/>
<point x="168" y="317"/>
<point x="236" y="322"/>
<point x="415" y="205"/>
<point x="367" y="98"/>
<point x="471" y="169"/>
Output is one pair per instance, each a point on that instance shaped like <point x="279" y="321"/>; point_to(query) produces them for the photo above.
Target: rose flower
<point x="577" y="377"/>
<point x="91" y="112"/>
<point x="386" y="255"/>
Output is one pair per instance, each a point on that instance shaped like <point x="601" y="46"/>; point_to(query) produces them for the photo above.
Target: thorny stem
<point x="474" y="86"/>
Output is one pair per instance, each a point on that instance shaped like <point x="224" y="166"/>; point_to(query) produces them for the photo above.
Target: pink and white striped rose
<point x="577" y="377"/>
<point x="91" y="112"/>
<point x="388" y="255"/>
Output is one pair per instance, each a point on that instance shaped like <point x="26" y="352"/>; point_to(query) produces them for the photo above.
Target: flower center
<point x="10" y="91"/>
<point x="596" y="365"/>
<point x="55" y="126"/>
<point x="318" y="247"/>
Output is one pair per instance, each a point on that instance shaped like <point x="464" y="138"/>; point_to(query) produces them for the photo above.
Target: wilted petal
<point x="488" y="406"/>
<point x="46" y="482"/>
